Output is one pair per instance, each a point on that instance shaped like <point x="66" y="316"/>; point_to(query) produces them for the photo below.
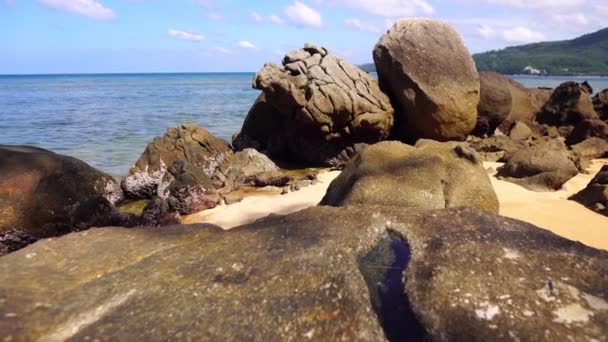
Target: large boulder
<point x="591" y="148"/>
<point x="595" y="195"/>
<point x="431" y="175"/>
<point x="249" y="167"/>
<point x="525" y="102"/>
<point x="494" y="103"/>
<point x="189" y="142"/>
<point x="543" y="166"/>
<point x="46" y="194"/>
<point x="313" y="107"/>
<point x="188" y="189"/>
<point x="353" y="273"/>
<point x="431" y="78"/>
<point x="569" y="104"/>
<point x="600" y="103"/>
<point x="588" y="129"/>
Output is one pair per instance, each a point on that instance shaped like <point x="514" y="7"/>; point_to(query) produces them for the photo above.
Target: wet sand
<point x="549" y="210"/>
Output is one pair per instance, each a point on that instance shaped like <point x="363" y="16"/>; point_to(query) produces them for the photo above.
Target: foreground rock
<point x="494" y="103"/>
<point x="189" y="142"/>
<point x="431" y="78"/>
<point x="314" y="107"/>
<point x="322" y="274"/>
<point x="46" y="194"/>
<point x="544" y="166"/>
<point x="431" y="175"/>
<point x="595" y="195"/>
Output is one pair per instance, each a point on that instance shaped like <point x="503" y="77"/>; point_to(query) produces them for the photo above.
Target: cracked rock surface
<point x="431" y="78"/>
<point x="313" y="107"/>
<point x="431" y="175"/>
<point x="319" y="274"/>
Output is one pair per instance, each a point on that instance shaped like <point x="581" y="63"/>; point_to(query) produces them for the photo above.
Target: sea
<point x="108" y="119"/>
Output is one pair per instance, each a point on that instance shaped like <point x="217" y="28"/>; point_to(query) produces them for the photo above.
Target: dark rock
<point x="569" y="104"/>
<point x="412" y="59"/>
<point x="544" y="166"/>
<point x="314" y="107"/>
<point x="494" y="103"/>
<point x="46" y="194"/>
<point x="159" y="213"/>
<point x="595" y="195"/>
<point x="190" y="190"/>
<point x="600" y="103"/>
<point x="353" y="273"/>
<point x="496" y="148"/>
<point x="431" y="175"/>
<point x="520" y="131"/>
<point x="189" y="142"/>
<point x="249" y="167"/>
<point x="13" y="240"/>
<point x="587" y="129"/>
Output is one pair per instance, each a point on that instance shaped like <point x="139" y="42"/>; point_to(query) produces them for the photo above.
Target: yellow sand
<point x="549" y="210"/>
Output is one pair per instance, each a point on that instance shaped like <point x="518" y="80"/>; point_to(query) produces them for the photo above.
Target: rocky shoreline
<point x="406" y="243"/>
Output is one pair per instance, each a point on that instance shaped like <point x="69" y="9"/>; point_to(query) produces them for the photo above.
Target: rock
<point x="232" y="199"/>
<point x="158" y="213"/>
<point x="496" y="148"/>
<point x="412" y="59"/>
<point x="525" y="102"/>
<point x="587" y="129"/>
<point x="352" y="273"/>
<point x="545" y="166"/>
<point x="600" y="104"/>
<point x="494" y="103"/>
<point x="249" y="167"/>
<point x="595" y="195"/>
<point x="431" y="175"/>
<point x="190" y="190"/>
<point x="591" y="148"/>
<point x="13" y="240"/>
<point x="45" y="194"/>
<point x="285" y="190"/>
<point x="314" y="107"/>
<point x="187" y="142"/>
<point x="520" y="131"/>
<point x="569" y="104"/>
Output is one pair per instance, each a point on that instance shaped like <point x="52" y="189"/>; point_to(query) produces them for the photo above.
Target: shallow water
<point x="107" y="120"/>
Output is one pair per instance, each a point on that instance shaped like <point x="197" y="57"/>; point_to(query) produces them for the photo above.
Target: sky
<point x="101" y="36"/>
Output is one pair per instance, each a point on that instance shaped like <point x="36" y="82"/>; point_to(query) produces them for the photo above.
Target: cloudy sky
<point x="87" y="36"/>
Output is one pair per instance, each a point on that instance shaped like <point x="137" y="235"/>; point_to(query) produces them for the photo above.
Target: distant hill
<point x="586" y="55"/>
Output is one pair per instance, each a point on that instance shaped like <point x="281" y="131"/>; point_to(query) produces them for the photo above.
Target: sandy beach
<point x="549" y="210"/>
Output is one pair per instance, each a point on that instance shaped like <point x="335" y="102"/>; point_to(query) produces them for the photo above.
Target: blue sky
<point x="88" y="36"/>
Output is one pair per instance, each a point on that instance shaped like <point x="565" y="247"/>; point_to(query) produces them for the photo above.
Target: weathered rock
<point x="353" y="273"/>
<point x="13" y="240"/>
<point x="496" y="148"/>
<point x="249" y="167"/>
<point x="520" y="131"/>
<point x="525" y="102"/>
<point x="569" y="104"/>
<point x="46" y="194"/>
<point x="187" y="142"/>
<point x="232" y="199"/>
<point x="544" y="166"/>
<point x="190" y="190"/>
<point x="587" y="129"/>
<point x="494" y="103"/>
<point x="158" y="213"/>
<point x="595" y="195"/>
<point x="313" y="107"/>
<point x="591" y="148"/>
<point x="431" y="175"/>
<point x="431" y="78"/>
<point x="600" y="104"/>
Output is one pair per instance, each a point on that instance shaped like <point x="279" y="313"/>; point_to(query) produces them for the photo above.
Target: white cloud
<point x="576" y="19"/>
<point x="245" y="44"/>
<point x="185" y="35"/>
<point x="223" y="50"/>
<point x="87" y="8"/>
<point x="521" y="34"/>
<point x="302" y="15"/>
<point x="361" y="26"/>
<point x="258" y="18"/>
<point x="486" y="32"/>
<point x="553" y="5"/>
<point x="390" y="8"/>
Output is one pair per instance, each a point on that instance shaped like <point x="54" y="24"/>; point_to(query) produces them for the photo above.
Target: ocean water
<point x="107" y="120"/>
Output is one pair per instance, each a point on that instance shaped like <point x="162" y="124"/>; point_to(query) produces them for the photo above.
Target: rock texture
<point x="494" y="103"/>
<point x="600" y="103"/>
<point x="569" y="104"/>
<point x="313" y="107"/>
<point x="353" y="273"/>
<point x="496" y="148"/>
<point x="520" y="131"/>
<point x="588" y="129"/>
<point x="188" y="189"/>
<point x="544" y="166"/>
<point x="431" y="78"/>
<point x="187" y="142"/>
<point x="249" y="167"/>
<point x="595" y="195"/>
<point x="525" y="102"/>
<point x="46" y="194"/>
<point x="431" y="175"/>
